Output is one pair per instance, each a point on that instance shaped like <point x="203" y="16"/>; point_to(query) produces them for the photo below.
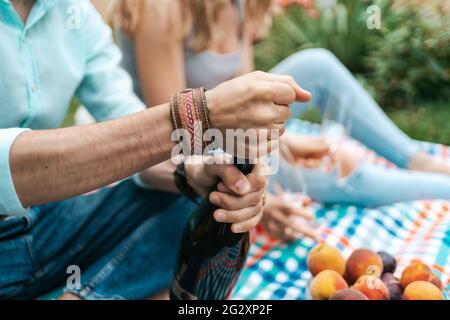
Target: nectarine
<point x="434" y="279"/>
<point x="417" y="271"/>
<point x="422" y="290"/>
<point x="325" y="284"/>
<point x="363" y="262"/>
<point x="325" y="257"/>
<point x="349" y="294"/>
<point x="372" y="287"/>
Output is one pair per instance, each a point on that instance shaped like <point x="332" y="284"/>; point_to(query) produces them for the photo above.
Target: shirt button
<point x="33" y="88"/>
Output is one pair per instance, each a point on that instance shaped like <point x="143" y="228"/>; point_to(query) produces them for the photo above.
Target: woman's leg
<point x="332" y="85"/>
<point x="124" y="239"/>
<point x="375" y="185"/>
<point x="367" y="186"/>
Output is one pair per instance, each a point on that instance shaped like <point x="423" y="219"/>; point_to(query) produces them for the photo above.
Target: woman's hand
<point x="304" y="150"/>
<point x="239" y="197"/>
<point x="257" y="100"/>
<point x="309" y="152"/>
<point x="285" y="222"/>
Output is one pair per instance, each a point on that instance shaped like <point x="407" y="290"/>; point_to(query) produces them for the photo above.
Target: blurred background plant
<point x="411" y="61"/>
<point x="405" y="64"/>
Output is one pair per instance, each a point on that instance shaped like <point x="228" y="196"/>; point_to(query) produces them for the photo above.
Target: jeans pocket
<point x="16" y="266"/>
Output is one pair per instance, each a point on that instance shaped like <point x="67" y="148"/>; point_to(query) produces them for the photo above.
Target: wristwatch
<point x="183" y="185"/>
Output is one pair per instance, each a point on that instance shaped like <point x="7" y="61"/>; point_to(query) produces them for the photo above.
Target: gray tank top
<point x="202" y="69"/>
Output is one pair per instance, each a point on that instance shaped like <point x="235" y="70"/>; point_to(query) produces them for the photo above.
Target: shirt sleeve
<point x="106" y="89"/>
<point x="10" y="204"/>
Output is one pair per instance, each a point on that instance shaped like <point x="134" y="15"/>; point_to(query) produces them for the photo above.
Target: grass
<point x="427" y="122"/>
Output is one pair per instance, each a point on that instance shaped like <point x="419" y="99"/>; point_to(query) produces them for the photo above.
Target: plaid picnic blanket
<point x="417" y="230"/>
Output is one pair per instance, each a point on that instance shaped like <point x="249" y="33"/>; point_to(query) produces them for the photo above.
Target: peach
<point x="434" y="279"/>
<point x="349" y="294"/>
<point x="422" y="290"/>
<point x="418" y="271"/>
<point x="325" y="284"/>
<point x="372" y="287"/>
<point x="363" y="262"/>
<point x="325" y="257"/>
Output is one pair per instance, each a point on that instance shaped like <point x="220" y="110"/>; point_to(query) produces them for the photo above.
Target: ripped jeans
<point x="334" y="88"/>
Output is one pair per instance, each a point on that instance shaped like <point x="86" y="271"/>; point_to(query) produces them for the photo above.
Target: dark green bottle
<point x="211" y="256"/>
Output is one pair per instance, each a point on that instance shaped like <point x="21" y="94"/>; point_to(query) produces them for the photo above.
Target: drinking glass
<point x="336" y="128"/>
<point x="291" y="186"/>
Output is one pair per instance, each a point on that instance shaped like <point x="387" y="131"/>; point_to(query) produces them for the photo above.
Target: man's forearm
<point x="57" y="164"/>
<point x="52" y="165"/>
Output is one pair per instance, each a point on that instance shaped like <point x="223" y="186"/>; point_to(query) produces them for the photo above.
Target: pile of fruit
<point x="367" y="275"/>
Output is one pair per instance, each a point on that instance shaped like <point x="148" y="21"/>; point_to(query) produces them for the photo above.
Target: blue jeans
<point x="334" y="87"/>
<point x="124" y="239"/>
<point x="367" y="186"/>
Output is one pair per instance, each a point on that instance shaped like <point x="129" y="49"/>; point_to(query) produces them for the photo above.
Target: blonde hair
<point x="198" y="18"/>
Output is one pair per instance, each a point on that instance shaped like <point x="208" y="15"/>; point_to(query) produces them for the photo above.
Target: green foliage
<point x="411" y="62"/>
<point x="408" y="60"/>
<point x="275" y="48"/>
<point x="341" y="29"/>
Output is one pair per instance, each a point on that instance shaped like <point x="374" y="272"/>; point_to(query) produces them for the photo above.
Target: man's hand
<point x="239" y="197"/>
<point x="257" y="101"/>
<point x="285" y="222"/>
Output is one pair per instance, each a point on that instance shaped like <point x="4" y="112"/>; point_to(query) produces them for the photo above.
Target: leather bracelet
<point x="183" y="185"/>
<point x="188" y="114"/>
<point x="189" y="111"/>
<point x="201" y="122"/>
<point x="205" y="112"/>
<point x="176" y="114"/>
<point x="205" y="107"/>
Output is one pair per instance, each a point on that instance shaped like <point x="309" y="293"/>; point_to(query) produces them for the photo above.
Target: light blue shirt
<point x="64" y="50"/>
